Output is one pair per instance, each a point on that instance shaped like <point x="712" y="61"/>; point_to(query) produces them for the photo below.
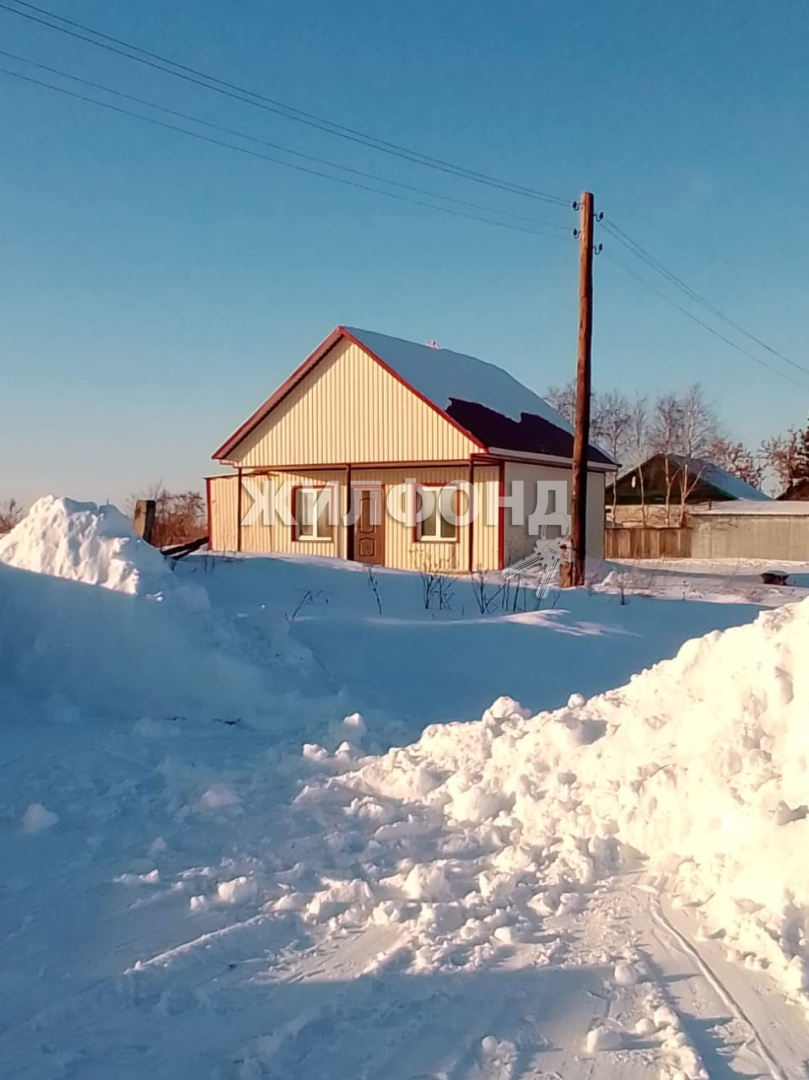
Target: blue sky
<point x="153" y="289"/>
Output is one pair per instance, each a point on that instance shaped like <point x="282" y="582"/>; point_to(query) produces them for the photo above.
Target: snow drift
<point x="695" y="775"/>
<point x="227" y="889"/>
<point x="84" y="542"/>
<point x="144" y="644"/>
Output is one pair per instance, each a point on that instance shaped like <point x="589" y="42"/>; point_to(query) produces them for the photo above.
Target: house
<point x="651" y="492"/>
<point x="751" y="529"/>
<point x="797" y="491"/>
<point x="402" y="455"/>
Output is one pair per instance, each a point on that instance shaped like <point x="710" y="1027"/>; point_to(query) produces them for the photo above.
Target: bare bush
<point x="446" y="592"/>
<point x="308" y="597"/>
<point x="179" y="516"/>
<point x="489" y="595"/>
<point x="437" y="588"/>
<point x="437" y="581"/>
<point x="480" y="590"/>
<point x="373" y="585"/>
<point x="11" y="514"/>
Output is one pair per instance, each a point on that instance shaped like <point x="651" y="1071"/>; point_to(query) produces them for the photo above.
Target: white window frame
<point x="315" y="537"/>
<point x="436" y="489"/>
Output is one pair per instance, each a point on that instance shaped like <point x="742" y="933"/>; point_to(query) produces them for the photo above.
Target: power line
<point x="700" y="322"/>
<point x="176" y="69"/>
<point x="640" y="252"/>
<point x="278" y="146"/>
<point x="262" y="101"/>
<point x="266" y="157"/>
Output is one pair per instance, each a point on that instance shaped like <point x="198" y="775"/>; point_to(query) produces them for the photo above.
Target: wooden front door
<point x="369" y="528"/>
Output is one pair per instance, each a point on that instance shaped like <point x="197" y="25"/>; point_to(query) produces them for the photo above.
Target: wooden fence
<point x="666" y="543"/>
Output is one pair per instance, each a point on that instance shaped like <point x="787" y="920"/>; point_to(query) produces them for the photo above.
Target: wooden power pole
<point x="581" y="439"/>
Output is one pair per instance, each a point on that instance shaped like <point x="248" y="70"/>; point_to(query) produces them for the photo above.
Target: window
<point x="435" y="526"/>
<point x="312" y="513"/>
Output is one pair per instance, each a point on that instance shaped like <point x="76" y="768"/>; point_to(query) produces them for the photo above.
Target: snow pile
<point x="84" y="542"/>
<point x="144" y="646"/>
<point x="36" y="818"/>
<point x="696" y="772"/>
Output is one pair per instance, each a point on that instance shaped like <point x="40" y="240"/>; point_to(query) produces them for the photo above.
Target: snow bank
<point x="98" y="652"/>
<point x="700" y="766"/>
<point x="141" y="646"/>
<point x="84" y="542"/>
<point x="146" y="646"/>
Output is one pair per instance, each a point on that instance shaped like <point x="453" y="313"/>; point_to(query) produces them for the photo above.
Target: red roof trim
<point x="302" y="370"/>
<point x="362" y="466"/>
<point x="278" y="395"/>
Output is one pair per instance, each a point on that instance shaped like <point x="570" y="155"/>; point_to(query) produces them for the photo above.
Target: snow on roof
<point x="727" y="483"/>
<point x="720" y="479"/>
<point x="771" y="507"/>
<point x="442" y="375"/>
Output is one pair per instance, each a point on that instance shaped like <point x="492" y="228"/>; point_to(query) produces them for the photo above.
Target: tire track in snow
<point x="510" y="1021"/>
<point x="202" y="941"/>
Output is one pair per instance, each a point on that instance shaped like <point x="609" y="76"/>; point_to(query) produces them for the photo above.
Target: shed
<point x="775" y="531"/>
<point x="389" y="452"/>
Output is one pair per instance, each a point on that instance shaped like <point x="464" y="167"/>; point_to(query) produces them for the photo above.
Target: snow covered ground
<point x="726" y="580"/>
<point x="251" y="827"/>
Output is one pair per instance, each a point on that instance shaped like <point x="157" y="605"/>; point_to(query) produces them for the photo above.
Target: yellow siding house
<point x="388" y="452"/>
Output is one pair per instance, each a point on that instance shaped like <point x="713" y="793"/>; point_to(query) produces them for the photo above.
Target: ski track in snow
<point x="764" y="1033"/>
<point x="243" y="1001"/>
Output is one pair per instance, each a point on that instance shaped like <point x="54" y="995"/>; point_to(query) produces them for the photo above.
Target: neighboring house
<point x="651" y="493"/>
<point x="773" y="530"/>
<point x="370" y="420"/>
<point x="797" y="491"/>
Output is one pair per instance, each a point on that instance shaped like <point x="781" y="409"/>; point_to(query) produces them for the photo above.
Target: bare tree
<point x="802" y="454"/>
<point x="780" y="455"/>
<point x="667" y="419"/>
<point x="700" y="424"/>
<point x="684" y="428"/>
<point x="700" y="431"/>
<point x="563" y="399"/>
<point x="638" y="440"/>
<point x="11" y="514"/>
<point x="739" y="460"/>
<point x="612" y="424"/>
<point x="179" y="516"/>
<point x="610" y="415"/>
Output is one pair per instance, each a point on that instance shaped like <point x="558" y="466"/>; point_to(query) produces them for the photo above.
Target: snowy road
<point x="223" y="1007"/>
<point x="692" y="1010"/>
<point x="116" y="974"/>
<point x="213" y="868"/>
<point x="732" y="1014"/>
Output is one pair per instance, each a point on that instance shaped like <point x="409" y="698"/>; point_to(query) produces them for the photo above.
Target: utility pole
<point x="581" y="438"/>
